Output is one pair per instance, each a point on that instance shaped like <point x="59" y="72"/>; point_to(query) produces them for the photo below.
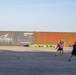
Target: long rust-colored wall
<point x="54" y="37"/>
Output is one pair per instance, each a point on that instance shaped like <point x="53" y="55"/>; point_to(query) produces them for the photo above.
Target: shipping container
<point x="16" y="38"/>
<point x="25" y="38"/>
<point x="53" y="37"/>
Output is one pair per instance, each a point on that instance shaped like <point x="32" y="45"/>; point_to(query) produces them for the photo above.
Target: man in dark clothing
<point x="73" y="53"/>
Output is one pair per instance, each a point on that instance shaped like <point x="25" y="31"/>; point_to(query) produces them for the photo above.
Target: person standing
<point x="59" y="48"/>
<point x="63" y="44"/>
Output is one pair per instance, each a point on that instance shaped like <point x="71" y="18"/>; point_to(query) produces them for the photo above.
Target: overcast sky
<point x="38" y="15"/>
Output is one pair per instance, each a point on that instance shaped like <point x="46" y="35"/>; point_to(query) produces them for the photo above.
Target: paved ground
<point x="35" y="61"/>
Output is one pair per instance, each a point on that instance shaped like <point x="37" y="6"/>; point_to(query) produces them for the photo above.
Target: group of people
<point x="60" y="47"/>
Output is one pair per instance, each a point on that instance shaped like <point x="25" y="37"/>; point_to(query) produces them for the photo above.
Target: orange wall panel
<point x="72" y="37"/>
<point x="54" y="37"/>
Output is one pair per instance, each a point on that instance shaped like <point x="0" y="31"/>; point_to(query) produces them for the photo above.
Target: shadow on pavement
<point x="35" y="63"/>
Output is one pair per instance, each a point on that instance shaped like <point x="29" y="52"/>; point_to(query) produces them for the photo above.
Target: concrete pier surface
<point x="35" y="61"/>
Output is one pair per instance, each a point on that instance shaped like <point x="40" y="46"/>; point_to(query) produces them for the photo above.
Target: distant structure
<point x="19" y="38"/>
